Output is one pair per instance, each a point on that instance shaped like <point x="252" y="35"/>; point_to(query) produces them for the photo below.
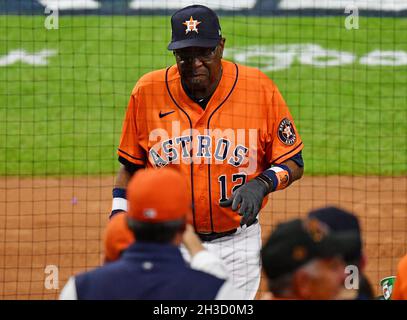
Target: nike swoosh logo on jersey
<point x="162" y="115"/>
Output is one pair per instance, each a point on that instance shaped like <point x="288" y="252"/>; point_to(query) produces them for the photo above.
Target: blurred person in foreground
<point x="400" y="286"/>
<point x="117" y="238"/>
<point x="339" y="220"/>
<point x="303" y="260"/>
<point x="152" y="268"/>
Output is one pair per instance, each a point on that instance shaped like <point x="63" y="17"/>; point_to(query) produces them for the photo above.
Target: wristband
<point x="119" y="200"/>
<point x="278" y="177"/>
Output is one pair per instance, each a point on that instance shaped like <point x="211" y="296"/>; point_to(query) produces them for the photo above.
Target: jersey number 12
<point x="236" y="177"/>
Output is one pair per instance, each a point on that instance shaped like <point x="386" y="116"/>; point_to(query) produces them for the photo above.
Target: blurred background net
<point x="66" y="72"/>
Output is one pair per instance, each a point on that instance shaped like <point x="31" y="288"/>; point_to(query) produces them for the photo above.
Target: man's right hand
<point x="247" y="200"/>
<point x="191" y="241"/>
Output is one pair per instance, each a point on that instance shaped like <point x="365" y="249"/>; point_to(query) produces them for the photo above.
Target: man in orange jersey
<point x="225" y="127"/>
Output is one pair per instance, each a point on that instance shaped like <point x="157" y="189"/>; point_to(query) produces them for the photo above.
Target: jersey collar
<point x="221" y="93"/>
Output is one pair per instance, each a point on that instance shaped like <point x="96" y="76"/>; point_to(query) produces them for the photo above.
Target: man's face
<point x="324" y="281"/>
<point x="200" y="68"/>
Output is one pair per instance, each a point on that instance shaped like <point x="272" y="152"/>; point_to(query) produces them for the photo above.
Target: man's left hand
<point x="248" y="199"/>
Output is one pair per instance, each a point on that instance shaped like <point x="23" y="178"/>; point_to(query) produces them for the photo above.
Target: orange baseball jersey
<point x="245" y="128"/>
<point x="400" y="286"/>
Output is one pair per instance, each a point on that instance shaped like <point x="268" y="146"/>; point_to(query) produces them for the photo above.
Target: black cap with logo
<point x="339" y="220"/>
<point x="296" y="242"/>
<point x="195" y="26"/>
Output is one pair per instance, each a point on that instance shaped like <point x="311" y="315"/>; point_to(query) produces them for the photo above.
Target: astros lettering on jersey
<point x="242" y="132"/>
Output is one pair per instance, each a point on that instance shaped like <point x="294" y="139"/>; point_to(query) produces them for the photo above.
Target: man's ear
<point x="221" y="46"/>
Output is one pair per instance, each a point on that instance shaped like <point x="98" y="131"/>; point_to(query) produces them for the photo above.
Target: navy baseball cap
<point x="195" y="26"/>
<point x="340" y="220"/>
<point x="296" y="242"/>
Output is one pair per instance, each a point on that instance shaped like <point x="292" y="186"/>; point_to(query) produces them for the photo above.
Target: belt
<point x="205" y="237"/>
<point x="215" y="235"/>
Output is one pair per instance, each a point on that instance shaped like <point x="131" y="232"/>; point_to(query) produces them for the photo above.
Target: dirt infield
<point x="60" y="221"/>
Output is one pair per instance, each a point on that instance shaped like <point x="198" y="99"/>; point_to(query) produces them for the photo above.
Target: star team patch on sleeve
<point x="286" y="132"/>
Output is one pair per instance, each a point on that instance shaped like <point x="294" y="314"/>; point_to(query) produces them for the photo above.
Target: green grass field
<point x="65" y="118"/>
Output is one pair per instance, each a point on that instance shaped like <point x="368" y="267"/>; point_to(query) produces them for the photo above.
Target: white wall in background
<point x="385" y="5"/>
<point x="20" y="55"/>
<point x="70" y="4"/>
<point x="283" y="56"/>
<point x="178" y="4"/>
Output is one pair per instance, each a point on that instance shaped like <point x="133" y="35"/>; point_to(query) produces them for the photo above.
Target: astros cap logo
<point x="150" y="213"/>
<point x="316" y="229"/>
<point x="191" y="25"/>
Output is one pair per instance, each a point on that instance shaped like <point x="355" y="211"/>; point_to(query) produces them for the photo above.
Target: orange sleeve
<point x="284" y="140"/>
<point x="129" y="147"/>
<point x="400" y="285"/>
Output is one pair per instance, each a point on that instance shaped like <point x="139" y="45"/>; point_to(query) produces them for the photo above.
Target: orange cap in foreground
<point x="118" y="236"/>
<point x="158" y="195"/>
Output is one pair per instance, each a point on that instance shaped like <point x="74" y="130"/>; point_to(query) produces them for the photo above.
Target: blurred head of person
<point x="340" y="220"/>
<point x="117" y="237"/>
<point x="159" y="205"/>
<point x="303" y="260"/>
